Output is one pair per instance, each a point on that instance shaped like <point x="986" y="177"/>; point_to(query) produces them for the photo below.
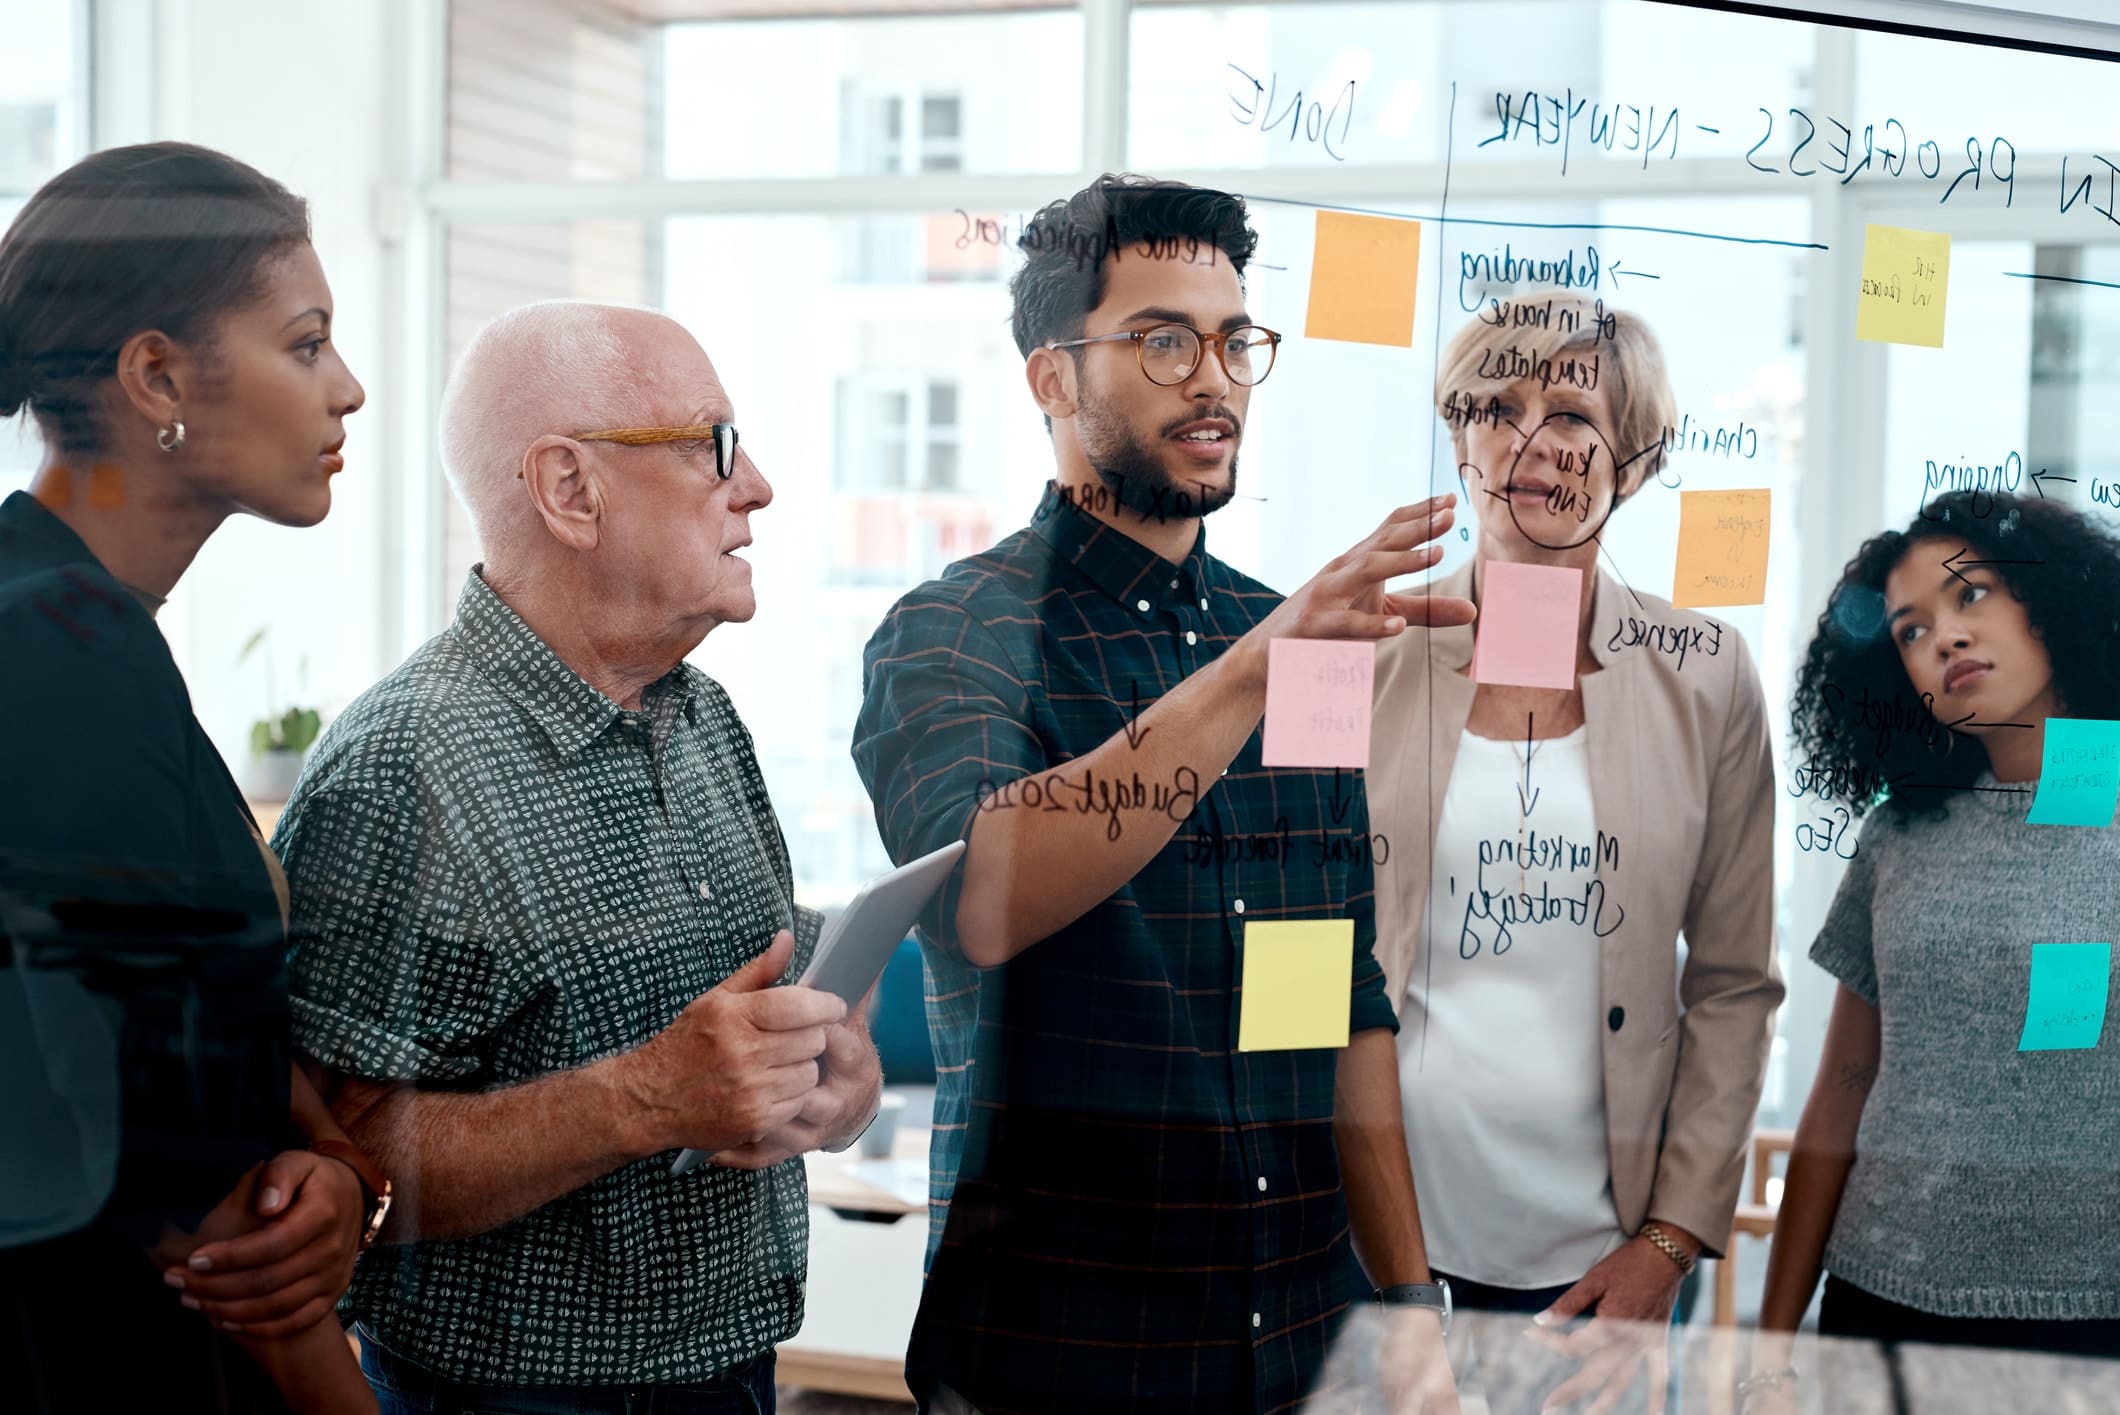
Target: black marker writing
<point x="1209" y="847"/>
<point x="1511" y="364"/>
<point x="1109" y="796"/>
<point x="1567" y="271"/>
<point x="1511" y="902"/>
<point x="1251" y="100"/>
<point x="1837" y="782"/>
<point x="1677" y="640"/>
<point x="1554" y="121"/>
<point x="1826" y="833"/>
<point x="1740" y="441"/>
<point x="1165" y="503"/>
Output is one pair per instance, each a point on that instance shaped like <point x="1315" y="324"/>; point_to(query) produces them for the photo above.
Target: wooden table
<point x="268" y="815"/>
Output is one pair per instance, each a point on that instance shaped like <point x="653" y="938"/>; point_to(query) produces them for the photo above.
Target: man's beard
<point x="1135" y="474"/>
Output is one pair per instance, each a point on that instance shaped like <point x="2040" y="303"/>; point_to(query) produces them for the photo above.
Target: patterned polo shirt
<point x="498" y="874"/>
<point x="1126" y="1212"/>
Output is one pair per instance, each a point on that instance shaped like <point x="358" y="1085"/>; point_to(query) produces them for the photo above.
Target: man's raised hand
<point x="1347" y="599"/>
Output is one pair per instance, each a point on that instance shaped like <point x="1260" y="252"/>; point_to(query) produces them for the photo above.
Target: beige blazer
<point x="1682" y="776"/>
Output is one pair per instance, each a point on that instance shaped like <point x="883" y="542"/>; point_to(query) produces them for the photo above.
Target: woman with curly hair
<point x="1958" y="1189"/>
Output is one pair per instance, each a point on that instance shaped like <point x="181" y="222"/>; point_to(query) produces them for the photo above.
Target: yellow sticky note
<point x="1722" y="548"/>
<point x="1298" y="984"/>
<point x="1906" y="276"/>
<point x="1362" y="273"/>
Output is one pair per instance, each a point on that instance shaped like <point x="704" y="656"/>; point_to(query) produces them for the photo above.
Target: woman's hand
<point x="276" y="1255"/>
<point x="1631" y="1291"/>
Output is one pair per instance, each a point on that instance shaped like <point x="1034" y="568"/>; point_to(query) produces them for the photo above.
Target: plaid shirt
<point x="1126" y="1212"/>
<point x="499" y="873"/>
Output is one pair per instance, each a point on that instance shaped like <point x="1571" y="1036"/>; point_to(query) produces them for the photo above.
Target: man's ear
<point x="1051" y="374"/>
<point x="564" y="490"/>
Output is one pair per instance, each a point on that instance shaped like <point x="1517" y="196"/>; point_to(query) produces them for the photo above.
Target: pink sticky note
<point x="1529" y="618"/>
<point x="1317" y="702"/>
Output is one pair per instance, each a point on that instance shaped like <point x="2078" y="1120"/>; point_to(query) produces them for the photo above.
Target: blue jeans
<point x="402" y="1388"/>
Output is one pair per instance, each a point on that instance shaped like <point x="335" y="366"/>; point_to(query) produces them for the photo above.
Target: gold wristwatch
<point x="374" y="1183"/>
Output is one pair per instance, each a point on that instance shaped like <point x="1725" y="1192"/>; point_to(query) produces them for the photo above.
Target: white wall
<point x="299" y="90"/>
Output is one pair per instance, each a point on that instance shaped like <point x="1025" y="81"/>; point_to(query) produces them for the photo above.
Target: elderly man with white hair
<point x="539" y="900"/>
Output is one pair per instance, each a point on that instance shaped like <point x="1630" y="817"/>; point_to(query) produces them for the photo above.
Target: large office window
<point x="43" y="126"/>
<point x="834" y="213"/>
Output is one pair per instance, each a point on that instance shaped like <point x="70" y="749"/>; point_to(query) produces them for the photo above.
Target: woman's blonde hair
<point x="1560" y="326"/>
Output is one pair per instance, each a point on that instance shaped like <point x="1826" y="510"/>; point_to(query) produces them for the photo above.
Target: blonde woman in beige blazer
<point x="1673" y="806"/>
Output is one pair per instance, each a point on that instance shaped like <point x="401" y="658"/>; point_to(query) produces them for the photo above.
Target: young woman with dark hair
<point x="165" y="321"/>
<point x="1958" y="1188"/>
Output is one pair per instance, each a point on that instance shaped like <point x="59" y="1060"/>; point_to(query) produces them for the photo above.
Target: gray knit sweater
<point x="1986" y="1180"/>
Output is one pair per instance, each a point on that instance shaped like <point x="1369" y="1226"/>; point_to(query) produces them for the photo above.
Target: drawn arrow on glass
<point x="1953" y="563"/>
<point x="1531" y="804"/>
<point x="2045" y="476"/>
<point x="1614" y="271"/>
<point x="1339" y="803"/>
<point x="1968" y="718"/>
<point x="1135" y="735"/>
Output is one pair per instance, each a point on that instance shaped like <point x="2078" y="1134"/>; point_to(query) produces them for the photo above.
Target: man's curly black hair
<point x="1070" y="246"/>
<point x="1861" y="733"/>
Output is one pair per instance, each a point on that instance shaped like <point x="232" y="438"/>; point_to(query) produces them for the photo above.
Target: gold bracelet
<point x="1654" y="1232"/>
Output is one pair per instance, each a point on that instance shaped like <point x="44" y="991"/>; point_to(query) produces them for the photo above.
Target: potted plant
<point x="279" y="741"/>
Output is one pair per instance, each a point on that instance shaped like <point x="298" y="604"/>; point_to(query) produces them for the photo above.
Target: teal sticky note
<point x="2065" y="1008"/>
<point x="2079" y="776"/>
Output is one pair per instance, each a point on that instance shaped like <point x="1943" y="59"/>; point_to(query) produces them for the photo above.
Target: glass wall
<point x="869" y="349"/>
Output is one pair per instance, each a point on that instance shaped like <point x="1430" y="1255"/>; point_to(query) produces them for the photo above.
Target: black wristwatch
<point x="1435" y="1296"/>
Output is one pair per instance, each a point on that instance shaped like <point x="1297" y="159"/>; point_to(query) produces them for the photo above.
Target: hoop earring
<point x="170" y="438"/>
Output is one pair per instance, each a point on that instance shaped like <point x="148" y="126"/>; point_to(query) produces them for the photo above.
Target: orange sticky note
<point x="1906" y="277"/>
<point x="1298" y="984"/>
<point x="1362" y="273"/>
<point x="1529" y="618"/>
<point x="1722" y="548"/>
<point x="106" y="486"/>
<point x="1317" y="702"/>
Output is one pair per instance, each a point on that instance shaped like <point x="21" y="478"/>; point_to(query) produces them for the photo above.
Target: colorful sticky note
<point x="1362" y="274"/>
<point x="1906" y="277"/>
<point x="1317" y="702"/>
<point x="1722" y="548"/>
<point x="2079" y="773"/>
<point x="1530" y="616"/>
<point x="1298" y="984"/>
<point x="2064" y="1009"/>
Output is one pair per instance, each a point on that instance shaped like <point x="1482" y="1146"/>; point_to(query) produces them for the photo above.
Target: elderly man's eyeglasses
<point x="722" y="435"/>
<point x="1168" y="353"/>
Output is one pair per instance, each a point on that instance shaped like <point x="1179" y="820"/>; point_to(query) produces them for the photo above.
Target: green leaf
<point x="251" y="643"/>
<point x="299" y="729"/>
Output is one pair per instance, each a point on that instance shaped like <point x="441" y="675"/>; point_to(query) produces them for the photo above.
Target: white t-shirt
<point x="1499" y="1052"/>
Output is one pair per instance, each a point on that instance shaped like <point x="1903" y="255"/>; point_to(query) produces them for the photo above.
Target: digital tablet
<point x="855" y="947"/>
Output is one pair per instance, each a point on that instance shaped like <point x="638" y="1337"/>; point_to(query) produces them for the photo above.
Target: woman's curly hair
<point x="1860" y="733"/>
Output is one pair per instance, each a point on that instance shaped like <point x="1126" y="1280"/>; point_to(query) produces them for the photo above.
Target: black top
<point x="153" y="1001"/>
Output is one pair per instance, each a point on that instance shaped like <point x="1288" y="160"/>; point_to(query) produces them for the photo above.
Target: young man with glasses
<point x="1130" y="1212"/>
